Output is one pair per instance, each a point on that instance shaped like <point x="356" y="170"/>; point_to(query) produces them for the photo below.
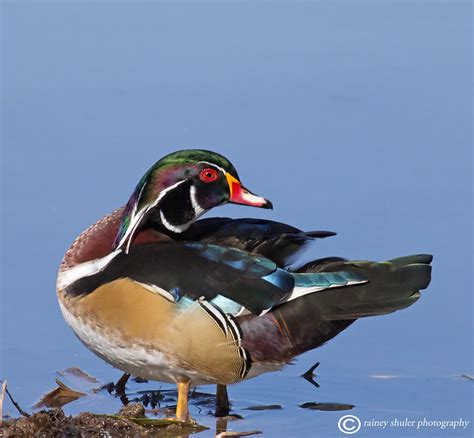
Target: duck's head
<point x="179" y="188"/>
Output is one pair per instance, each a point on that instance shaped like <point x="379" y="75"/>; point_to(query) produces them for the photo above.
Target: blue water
<point x="352" y="116"/>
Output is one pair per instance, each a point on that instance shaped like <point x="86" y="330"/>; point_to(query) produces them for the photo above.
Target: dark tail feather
<point x="393" y="285"/>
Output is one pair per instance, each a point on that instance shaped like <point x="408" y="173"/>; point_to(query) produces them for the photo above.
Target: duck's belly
<point x="133" y="358"/>
<point x="143" y="334"/>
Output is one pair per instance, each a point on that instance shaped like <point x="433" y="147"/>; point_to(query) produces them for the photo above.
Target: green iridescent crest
<point x="196" y="156"/>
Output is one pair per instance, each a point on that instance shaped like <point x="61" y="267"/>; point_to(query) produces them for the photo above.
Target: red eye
<point x="208" y="175"/>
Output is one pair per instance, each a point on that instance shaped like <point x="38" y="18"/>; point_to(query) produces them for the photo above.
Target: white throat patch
<point x="198" y="212"/>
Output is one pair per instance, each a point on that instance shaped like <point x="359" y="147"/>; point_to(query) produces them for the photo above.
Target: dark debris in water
<point x="238" y="434"/>
<point x="54" y="423"/>
<point x="139" y="380"/>
<point x="309" y="375"/>
<point x="59" y="396"/>
<point x="79" y="374"/>
<point x="467" y="377"/>
<point x="327" y="406"/>
<point x="231" y="417"/>
<point x="263" y="408"/>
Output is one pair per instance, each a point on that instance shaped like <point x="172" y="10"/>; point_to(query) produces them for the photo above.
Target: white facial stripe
<point x="132" y="226"/>
<point x="198" y="210"/>
<point x="138" y="216"/>
<point x="214" y="165"/>
<point x="69" y="276"/>
<point x="139" y="196"/>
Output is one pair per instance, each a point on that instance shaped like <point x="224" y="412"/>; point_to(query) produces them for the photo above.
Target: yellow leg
<point x="182" y="411"/>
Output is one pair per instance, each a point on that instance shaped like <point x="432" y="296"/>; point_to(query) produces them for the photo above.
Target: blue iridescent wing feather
<point x="204" y="271"/>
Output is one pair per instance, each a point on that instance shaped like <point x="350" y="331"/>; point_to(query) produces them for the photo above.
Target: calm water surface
<point x="350" y="116"/>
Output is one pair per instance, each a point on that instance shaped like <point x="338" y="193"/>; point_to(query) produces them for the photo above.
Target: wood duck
<point x="162" y="296"/>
